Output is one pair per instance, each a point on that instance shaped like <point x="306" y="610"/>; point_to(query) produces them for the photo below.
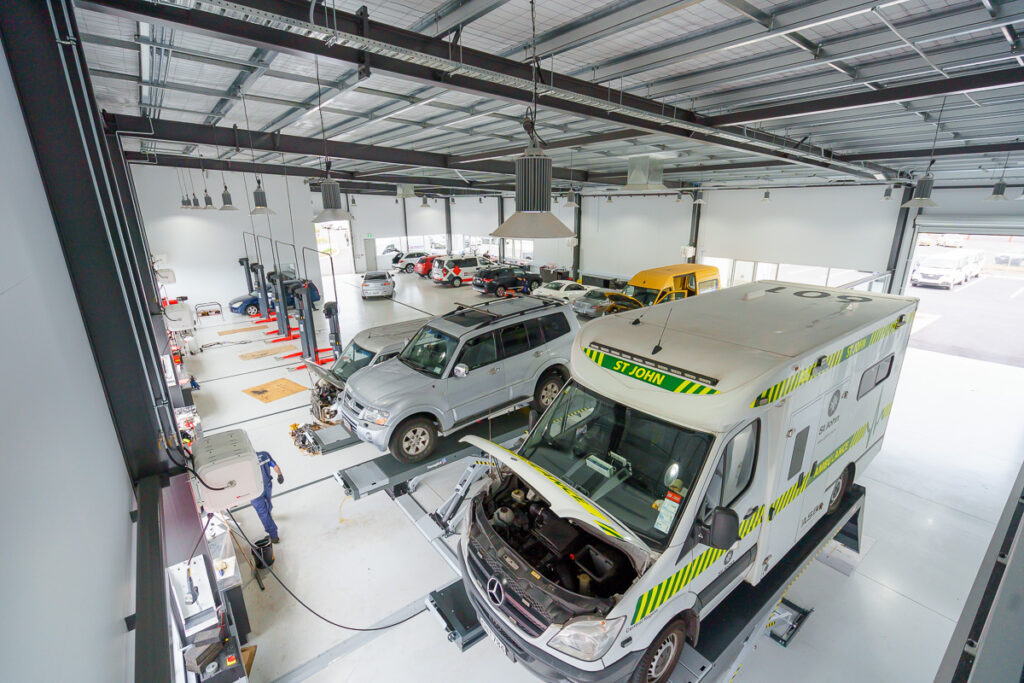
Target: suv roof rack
<point x="541" y="304"/>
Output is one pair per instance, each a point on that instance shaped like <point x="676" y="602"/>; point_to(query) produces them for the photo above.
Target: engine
<point x="559" y="549"/>
<point x="326" y="402"/>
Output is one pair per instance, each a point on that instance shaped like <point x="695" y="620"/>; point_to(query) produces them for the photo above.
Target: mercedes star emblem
<point x="495" y="593"/>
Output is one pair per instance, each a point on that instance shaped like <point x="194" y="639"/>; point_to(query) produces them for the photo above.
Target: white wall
<point x="470" y="216"/>
<point x="555" y="251"/>
<point x="67" y="578"/>
<point x="841" y="227"/>
<point x="203" y="247"/>
<point x="427" y="220"/>
<point x="633" y="233"/>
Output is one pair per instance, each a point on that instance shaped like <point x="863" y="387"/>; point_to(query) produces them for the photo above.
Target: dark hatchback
<point x="499" y="281"/>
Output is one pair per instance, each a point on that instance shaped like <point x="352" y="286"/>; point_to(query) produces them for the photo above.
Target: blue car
<point x="249" y="304"/>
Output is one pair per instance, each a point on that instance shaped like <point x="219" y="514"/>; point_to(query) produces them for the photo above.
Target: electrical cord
<point x="184" y="464"/>
<point x="309" y="609"/>
<point x="209" y="516"/>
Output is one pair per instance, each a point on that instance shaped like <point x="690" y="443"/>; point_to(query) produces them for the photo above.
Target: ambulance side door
<point x="792" y="475"/>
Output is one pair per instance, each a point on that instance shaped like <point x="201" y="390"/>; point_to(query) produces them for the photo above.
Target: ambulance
<point x="695" y="443"/>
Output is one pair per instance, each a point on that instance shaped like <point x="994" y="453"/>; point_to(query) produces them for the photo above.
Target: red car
<point x="424" y="265"/>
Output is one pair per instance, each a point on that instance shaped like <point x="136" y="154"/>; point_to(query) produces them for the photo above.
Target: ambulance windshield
<point x="638" y="468"/>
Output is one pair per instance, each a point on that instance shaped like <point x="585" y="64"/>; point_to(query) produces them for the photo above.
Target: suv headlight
<point x="376" y="415"/>
<point x="587" y="639"/>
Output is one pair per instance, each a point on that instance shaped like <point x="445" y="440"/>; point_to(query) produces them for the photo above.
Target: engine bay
<point x="326" y="402"/>
<point x="561" y="550"/>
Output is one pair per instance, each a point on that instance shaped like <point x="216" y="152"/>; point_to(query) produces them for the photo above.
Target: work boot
<point x="275" y="540"/>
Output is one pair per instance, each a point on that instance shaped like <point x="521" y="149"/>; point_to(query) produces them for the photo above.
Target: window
<point x="554" y="326"/>
<point x="574" y="287"/>
<point x="708" y="286"/>
<point x="429" y="351"/>
<point x="383" y="357"/>
<point x="479" y="351"/>
<point x="796" y="462"/>
<point x="875" y="375"/>
<point x="533" y="332"/>
<point x="691" y="283"/>
<point x="514" y="340"/>
<point x="737" y="464"/>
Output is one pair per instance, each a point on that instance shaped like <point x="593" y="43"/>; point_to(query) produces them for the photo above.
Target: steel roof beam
<point x="731" y="36"/>
<point x="453" y="15"/>
<point x="901" y="93"/>
<point x="481" y="72"/>
<point x="172" y="131"/>
<point x="926" y="152"/>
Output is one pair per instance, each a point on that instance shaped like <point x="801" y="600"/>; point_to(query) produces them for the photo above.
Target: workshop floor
<point x="934" y="494"/>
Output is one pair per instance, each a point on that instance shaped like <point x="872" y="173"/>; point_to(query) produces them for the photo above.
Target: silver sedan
<point x="378" y="283"/>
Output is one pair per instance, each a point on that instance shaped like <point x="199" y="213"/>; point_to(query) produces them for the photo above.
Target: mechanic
<point x="263" y="504"/>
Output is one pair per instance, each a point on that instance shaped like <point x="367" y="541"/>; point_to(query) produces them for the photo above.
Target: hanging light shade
<point x="998" y="192"/>
<point x="572" y="200"/>
<point x="195" y="201"/>
<point x="208" y="201"/>
<point x="352" y="201"/>
<point x="698" y="197"/>
<point x="226" y="199"/>
<point x="480" y="200"/>
<point x="922" y="194"/>
<point x="330" y="193"/>
<point x="533" y="217"/>
<point x="259" y="201"/>
<point x="453" y="199"/>
<point x="887" y="195"/>
<point x="1021" y="197"/>
<point x="767" y="196"/>
<point x="185" y="203"/>
<point x="424" y="204"/>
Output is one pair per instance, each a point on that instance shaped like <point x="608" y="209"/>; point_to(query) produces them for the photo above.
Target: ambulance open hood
<point x="565" y="501"/>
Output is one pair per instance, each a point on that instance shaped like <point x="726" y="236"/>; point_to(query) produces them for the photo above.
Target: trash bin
<point x="263" y="553"/>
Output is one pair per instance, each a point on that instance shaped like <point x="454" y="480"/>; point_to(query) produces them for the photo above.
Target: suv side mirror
<point x="461" y="370"/>
<point x="724" y="529"/>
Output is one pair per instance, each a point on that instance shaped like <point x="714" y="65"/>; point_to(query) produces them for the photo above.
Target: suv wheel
<point x="252" y="309"/>
<point x="414" y="440"/>
<point x="456" y="281"/>
<point x="409" y="267"/>
<point x="500" y="292"/>
<point x="547" y="390"/>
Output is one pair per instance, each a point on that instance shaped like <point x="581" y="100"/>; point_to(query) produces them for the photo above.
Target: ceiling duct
<point x="334" y="212"/>
<point x="533" y="218"/>
<point x="645" y="173"/>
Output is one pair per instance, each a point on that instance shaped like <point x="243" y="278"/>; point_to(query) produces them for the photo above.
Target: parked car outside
<point x="940" y="271"/>
<point x="925" y="240"/>
<point x="456" y="270"/>
<point x="425" y="263"/>
<point x="458" y="369"/>
<point x="951" y="240"/>
<point x="599" y="302"/>
<point x="407" y="262"/>
<point x="378" y="283"/>
<point x="500" y="280"/>
<point x="564" y="290"/>
<point x="1010" y="258"/>
<point x="249" y="304"/>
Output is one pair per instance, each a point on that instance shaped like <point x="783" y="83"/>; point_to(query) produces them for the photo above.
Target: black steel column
<point x="448" y="223"/>
<point x="501" y="219"/>
<point x="577" y="226"/>
<point x="244" y="262"/>
<point x="694" y="230"/>
<point x="152" y="620"/>
<point x="101" y="245"/>
<point x="903" y="239"/>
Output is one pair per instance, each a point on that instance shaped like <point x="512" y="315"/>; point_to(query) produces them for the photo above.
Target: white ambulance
<point x="695" y="444"/>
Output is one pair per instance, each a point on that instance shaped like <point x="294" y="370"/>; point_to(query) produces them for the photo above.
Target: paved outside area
<point x="983" y="318"/>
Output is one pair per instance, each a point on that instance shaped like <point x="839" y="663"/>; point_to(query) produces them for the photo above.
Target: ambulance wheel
<point x="252" y="309"/>
<point x="409" y="267"/>
<point x="839" y="490"/>
<point x="414" y="440"/>
<point x="661" y="657"/>
<point x="456" y="282"/>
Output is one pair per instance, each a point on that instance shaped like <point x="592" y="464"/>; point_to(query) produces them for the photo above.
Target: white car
<point x="565" y="290"/>
<point x="378" y="283"/>
<point x="407" y="262"/>
<point x="951" y="240"/>
<point x="939" y="271"/>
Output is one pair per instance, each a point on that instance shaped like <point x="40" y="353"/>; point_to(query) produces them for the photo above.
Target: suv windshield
<point x="622" y="459"/>
<point x="429" y="351"/>
<point x="353" y="358"/>
<point x="644" y="295"/>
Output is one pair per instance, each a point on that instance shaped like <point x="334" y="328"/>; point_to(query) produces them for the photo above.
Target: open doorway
<point x="334" y="242"/>
<point x="971" y="289"/>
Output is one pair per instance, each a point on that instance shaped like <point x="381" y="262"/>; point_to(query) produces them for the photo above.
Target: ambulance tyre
<point x="456" y="281"/>
<point x="658" y="662"/>
<point x="839" y="490"/>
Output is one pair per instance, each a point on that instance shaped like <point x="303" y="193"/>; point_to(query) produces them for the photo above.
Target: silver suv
<point x="473" y="362"/>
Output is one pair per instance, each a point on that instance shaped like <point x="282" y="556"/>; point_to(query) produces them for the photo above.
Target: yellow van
<point x="669" y="283"/>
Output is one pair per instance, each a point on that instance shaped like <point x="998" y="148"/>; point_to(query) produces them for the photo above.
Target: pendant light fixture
<point x="609" y="200"/>
<point x="887" y="195"/>
<point x="999" y="189"/>
<point x="572" y="200"/>
<point x="923" y="191"/>
<point x="352" y="201"/>
<point x="698" y="197"/>
<point x="424" y="204"/>
<point x="533" y="218"/>
<point x="207" y="200"/>
<point x="225" y="197"/>
<point x="330" y="191"/>
<point x="185" y="203"/>
<point x="259" y="200"/>
<point x="767" y="196"/>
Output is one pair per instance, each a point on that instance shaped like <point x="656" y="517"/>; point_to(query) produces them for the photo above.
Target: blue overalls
<point x="263" y="504"/>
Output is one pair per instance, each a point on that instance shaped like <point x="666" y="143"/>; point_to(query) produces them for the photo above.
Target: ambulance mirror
<point x="725" y="528"/>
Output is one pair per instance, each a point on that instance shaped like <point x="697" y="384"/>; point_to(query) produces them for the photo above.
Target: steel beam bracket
<point x="363" y="17"/>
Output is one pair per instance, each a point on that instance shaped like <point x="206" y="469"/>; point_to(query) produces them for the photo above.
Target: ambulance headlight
<point x="587" y="639"/>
